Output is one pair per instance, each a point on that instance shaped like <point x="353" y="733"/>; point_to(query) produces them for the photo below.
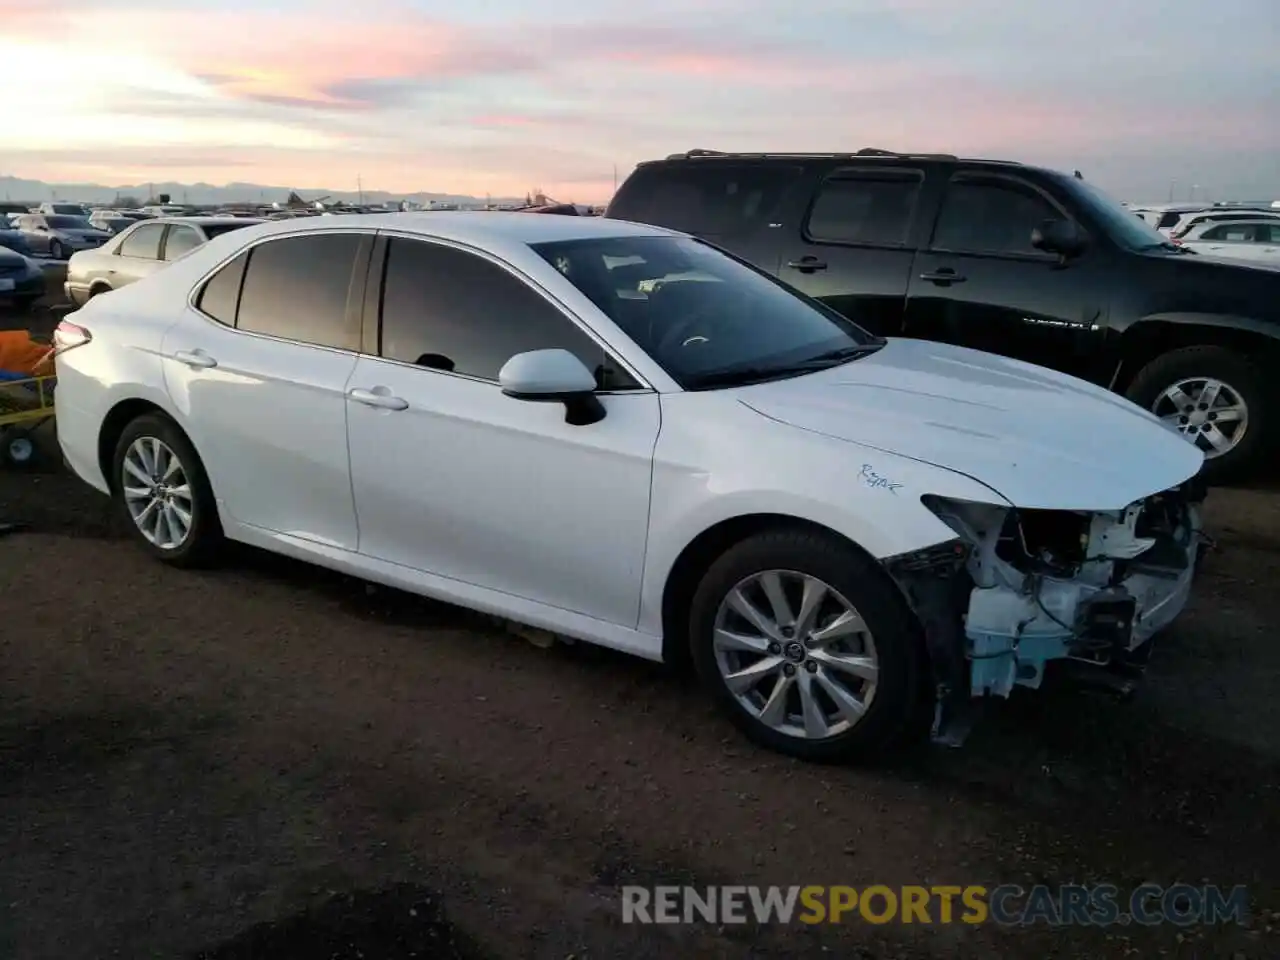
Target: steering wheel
<point x="694" y="330"/>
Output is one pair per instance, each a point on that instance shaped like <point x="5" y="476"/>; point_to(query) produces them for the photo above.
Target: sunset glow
<point x="414" y="95"/>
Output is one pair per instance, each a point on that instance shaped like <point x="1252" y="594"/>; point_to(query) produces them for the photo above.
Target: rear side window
<point x="182" y="239"/>
<point x="708" y="199"/>
<point x="221" y="293"/>
<point x="871" y="208"/>
<point x="297" y="288"/>
<point x="143" y="242"/>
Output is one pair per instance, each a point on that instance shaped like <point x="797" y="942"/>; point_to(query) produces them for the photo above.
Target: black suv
<point x="1016" y="260"/>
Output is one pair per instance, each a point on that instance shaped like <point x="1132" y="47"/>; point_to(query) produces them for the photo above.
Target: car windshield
<point x="68" y="223"/>
<point x="1121" y="225"/>
<point x="707" y="318"/>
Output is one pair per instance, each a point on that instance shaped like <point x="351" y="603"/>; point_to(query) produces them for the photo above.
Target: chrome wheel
<point x="1207" y="412"/>
<point x="795" y="654"/>
<point x="21" y="450"/>
<point x="157" y="493"/>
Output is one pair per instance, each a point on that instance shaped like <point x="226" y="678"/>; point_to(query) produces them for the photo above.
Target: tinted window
<point x="182" y="239"/>
<point x="143" y="242"/>
<point x="990" y="216"/>
<point x="69" y="223"/>
<point x="218" y="229"/>
<point x="297" y="287"/>
<point x="875" y="209"/>
<point x="1269" y="234"/>
<point x="714" y="199"/>
<point x="702" y="315"/>
<point x="451" y="310"/>
<point x="221" y="292"/>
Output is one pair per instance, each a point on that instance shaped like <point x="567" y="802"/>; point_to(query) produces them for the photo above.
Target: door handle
<point x="383" y="401"/>
<point x="945" y="275"/>
<point x="807" y="264"/>
<point x="196" y="359"/>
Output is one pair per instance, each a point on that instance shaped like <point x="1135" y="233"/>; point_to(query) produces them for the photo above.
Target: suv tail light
<point x="67" y="335"/>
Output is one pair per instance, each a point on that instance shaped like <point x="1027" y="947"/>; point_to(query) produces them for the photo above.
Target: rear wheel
<point x="1216" y="399"/>
<point x="161" y="487"/>
<point x="19" y="448"/>
<point x="808" y="648"/>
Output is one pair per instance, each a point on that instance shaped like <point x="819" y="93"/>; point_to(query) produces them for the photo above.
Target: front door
<point x="981" y="284"/>
<point x="259" y="372"/>
<point x="853" y="247"/>
<point x="454" y="478"/>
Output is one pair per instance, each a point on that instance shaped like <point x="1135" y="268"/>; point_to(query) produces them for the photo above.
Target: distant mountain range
<point x="37" y="191"/>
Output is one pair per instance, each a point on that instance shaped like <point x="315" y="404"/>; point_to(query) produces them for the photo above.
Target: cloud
<point x="499" y="95"/>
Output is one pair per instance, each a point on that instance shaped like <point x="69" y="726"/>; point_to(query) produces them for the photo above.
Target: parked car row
<point x="850" y="537"/>
<point x="1015" y="260"/>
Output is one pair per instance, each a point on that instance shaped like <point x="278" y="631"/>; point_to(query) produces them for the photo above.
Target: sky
<point x="1146" y="97"/>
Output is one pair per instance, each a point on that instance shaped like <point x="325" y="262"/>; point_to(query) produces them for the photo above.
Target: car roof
<point x="481" y="228"/>
<point x="204" y="221"/>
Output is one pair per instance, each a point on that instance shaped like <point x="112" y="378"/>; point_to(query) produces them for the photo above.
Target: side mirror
<point x="555" y="375"/>
<point x="1062" y="237"/>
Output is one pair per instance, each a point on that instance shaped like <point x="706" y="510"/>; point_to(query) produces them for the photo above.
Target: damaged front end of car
<point x="1017" y="589"/>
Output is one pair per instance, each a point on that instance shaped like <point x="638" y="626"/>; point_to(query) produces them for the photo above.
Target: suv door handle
<point x="945" y="275"/>
<point x="807" y="264"/>
<point x="196" y="359"/>
<point x="372" y="398"/>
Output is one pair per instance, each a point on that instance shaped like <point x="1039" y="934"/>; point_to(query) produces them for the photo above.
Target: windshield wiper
<point x="741" y="376"/>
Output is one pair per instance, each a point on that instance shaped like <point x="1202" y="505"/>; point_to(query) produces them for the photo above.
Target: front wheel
<point x="57" y="251"/>
<point x="160" y="485"/>
<point x="808" y="647"/>
<point x="1216" y="399"/>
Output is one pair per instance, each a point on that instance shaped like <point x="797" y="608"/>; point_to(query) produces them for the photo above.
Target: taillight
<point x="67" y="335"/>
<point x="1175" y="241"/>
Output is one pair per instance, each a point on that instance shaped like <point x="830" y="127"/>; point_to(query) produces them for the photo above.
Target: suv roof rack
<point x="864" y="152"/>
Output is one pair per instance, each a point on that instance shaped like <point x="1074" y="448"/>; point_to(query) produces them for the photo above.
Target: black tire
<point x="893" y="717"/>
<point x="204" y="540"/>
<point x="56" y="250"/>
<point x="1238" y="373"/>
<point x="20" y="449"/>
<point x="97" y="291"/>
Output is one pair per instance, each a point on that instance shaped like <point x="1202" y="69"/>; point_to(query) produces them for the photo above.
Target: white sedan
<point x="621" y="435"/>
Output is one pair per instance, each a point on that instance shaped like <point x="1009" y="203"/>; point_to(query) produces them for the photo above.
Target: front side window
<point x="993" y="216"/>
<point x="68" y="223"/>
<point x="296" y="288"/>
<point x="447" y="309"/>
<point x="707" y="318"/>
<point x="872" y="208"/>
<point x="144" y="242"/>
<point x="182" y="239"/>
<point x="1231" y="232"/>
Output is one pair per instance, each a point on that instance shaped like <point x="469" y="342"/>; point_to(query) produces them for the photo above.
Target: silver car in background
<point x="140" y="250"/>
<point x="59" y="235"/>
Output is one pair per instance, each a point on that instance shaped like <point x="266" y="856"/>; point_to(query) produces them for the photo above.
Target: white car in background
<point x="1193" y="221"/>
<point x="1256" y="240"/>
<point x="846" y="535"/>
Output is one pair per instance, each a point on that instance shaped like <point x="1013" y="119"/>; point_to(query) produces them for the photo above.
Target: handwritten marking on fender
<point x="877" y="482"/>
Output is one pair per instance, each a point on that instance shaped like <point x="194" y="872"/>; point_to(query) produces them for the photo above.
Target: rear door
<point x="852" y="245"/>
<point x="730" y="204"/>
<point x="980" y="283"/>
<point x="136" y="256"/>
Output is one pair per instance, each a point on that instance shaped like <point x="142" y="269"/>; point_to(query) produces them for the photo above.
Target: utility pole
<point x="360" y="189"/>
<point x="615" y="178"/>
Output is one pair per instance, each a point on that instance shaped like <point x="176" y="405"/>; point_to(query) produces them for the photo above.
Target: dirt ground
<point x="272" y="761"/>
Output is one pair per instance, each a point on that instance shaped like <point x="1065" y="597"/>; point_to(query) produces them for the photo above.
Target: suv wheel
<point x="807" y="647"/>
<point x="1215" y="398"/>
<point x="56" y="250"/>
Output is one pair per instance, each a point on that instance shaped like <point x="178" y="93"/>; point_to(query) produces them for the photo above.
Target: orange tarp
<point x="21" y="354"/>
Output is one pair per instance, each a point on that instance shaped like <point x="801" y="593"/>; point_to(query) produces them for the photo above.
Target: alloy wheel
<point x="795" y="654"/>
<point x="157" y="493"/>
<point x="1207" y="412"/>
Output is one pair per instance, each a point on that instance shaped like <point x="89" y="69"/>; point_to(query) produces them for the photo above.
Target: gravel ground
<point x="270" y="760"/>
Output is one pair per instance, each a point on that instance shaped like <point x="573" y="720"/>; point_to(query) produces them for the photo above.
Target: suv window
<point x="297" y="287"/>
<point x="872" y="208"/>
<point x="990" y="215"/>
<point x="710" y="199"/>
<point x="182" y="239"/>
<point x="221" y="293"/>
<point x="452" y="310"/>
<point x="144" y="242"/>
<point x="1231" y="231"/>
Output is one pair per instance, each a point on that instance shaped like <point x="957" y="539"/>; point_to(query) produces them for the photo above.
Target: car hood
<point x="1041" y="439"/>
